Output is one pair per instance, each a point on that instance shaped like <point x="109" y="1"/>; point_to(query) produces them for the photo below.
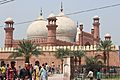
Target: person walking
<point x="7" y="72"/>
<point x="90" y="75"/>
<point x="52" y="68"/>
<point x="12" y="72"/>
<point x="25" y="72"/>
<point x="1" y="77"/>
<point x="36" y="70"/>
<point x="3" y="69"/>
<point x="43" y="73"/>
<point x="98" y="75"/>
<point x="47" y="67"/>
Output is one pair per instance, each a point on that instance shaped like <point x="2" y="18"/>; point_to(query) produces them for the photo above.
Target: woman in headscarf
<point x="36" y="71"/>
<point x="43" y="73"/>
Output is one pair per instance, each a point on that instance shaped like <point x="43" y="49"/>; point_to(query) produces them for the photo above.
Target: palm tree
<point x="60" y="54"/>
<point x="78" y="54"/>
<point x="105" y="46"/>
<point x="92" y="63"/>
<point x="26" y="49"/>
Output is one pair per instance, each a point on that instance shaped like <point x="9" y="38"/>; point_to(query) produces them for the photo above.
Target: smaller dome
<point x="81" y="24"/>
<point x="37" y="29"/>
<point x="96" y="17"/>
<point x="9" y="19"/>
<point x="92" y="28"/>
<point x="61" y="14"/>
<point x="107" y="35"/>
<point x="40" y="18"/>
<point x="51" y="15"/>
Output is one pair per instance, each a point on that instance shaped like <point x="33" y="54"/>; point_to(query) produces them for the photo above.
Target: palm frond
<point x="15" y="55"/>
<point x="26" y="49"/>
<point x="61" y="53"/>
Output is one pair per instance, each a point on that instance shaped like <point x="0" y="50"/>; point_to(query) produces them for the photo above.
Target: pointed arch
<point x="99" y="56"/>
<point x="87" y="44"/>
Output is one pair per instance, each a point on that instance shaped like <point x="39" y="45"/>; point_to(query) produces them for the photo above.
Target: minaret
<point x="96" y="25"/>
<point x="51" y="40"/>
<point x="8" y="32"/>
<point x="108" y="37"/>
<point x="92" y="30"/>
<point x="81" y="35"/>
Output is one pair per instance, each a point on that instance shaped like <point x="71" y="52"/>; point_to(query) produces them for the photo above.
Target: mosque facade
<point x="58" y="31"/>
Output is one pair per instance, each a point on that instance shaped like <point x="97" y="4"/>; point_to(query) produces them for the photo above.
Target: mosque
<point x="58" y="31"/>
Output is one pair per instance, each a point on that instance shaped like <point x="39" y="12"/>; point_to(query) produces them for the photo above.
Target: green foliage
<point x="26" y="49"/>
<point x="78" y="53"/>
<point x="105" y="46"/>
<point x="61" y="53"/>
<point x="92" y="63"/>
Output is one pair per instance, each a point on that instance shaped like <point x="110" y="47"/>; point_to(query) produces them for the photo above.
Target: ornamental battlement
<point x="54" y="48"/>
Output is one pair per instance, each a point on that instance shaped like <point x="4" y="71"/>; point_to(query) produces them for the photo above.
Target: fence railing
<point x="112" y="73"/>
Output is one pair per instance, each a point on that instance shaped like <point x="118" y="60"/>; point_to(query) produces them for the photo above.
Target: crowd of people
<point x="28" y="72"/>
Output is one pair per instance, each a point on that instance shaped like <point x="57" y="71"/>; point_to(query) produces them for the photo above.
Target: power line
<point x="93" y="9"/>
<point x="24" y="22"/>
<point x="78" y="12"/>
<point x="5" y="1"/>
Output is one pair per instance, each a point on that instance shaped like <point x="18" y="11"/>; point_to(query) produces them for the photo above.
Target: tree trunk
<point x="79" y="61"/>
<point x="80" y="68"/>
<point x="108" y="69"/>
<point x="104" y="54"/>
<point x="62" y="66"/>
<point x="75" y="61"/>
<point x="105" y="57"/>
<point x="27" y="59"/>
<point x="72" y="68"/>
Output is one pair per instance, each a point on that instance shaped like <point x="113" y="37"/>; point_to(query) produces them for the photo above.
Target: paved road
<point x="104" y="79"/>
<point x="60" y="77"/>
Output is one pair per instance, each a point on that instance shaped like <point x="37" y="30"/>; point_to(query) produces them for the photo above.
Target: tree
<point x="92" y="63"/>
<point x="60" y="54"/>
<point x="105" y="46"/>
<point x="78" y="54"/>
<point x="26" y="49"/>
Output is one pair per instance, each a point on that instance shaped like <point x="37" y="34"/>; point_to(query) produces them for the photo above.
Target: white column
<point x="66" y="68"/>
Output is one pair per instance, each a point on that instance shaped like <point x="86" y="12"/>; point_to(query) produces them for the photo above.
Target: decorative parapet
<point x="54" y="48"/>
<point x="10" y="49"/>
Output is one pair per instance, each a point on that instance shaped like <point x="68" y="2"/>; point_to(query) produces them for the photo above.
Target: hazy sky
<point x="27" y="10"/>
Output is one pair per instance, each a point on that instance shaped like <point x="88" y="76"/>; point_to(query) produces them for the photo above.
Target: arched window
<point x="100" y="62"/>
<point x="87" y="44"/>
<point x="99" y="56"/>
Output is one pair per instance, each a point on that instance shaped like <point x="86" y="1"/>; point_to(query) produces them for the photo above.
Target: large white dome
<point x="37" y="29"/>
<point x="66" y="29"/>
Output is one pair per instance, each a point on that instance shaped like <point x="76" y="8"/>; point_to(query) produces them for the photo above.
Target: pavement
<point x="104" y="79"/>
<point x="56" y="77"/>
<point x="61" y="77"/>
